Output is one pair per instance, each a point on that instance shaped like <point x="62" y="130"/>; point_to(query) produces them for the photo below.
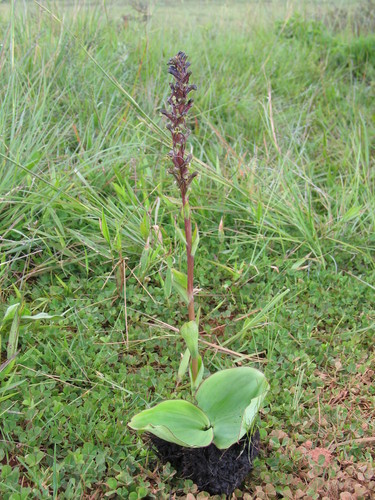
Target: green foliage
<point x="189" y="332"/>
<point x="176" y="421"/>
<point x="231" y="399"/>
<point x="308" y="31"/>
<point x="180" y="283"/>
<point x="228" y="403"/>
<point x="356" y="54"/>
<point x="7" y="385"/>
<point x="195" y="244"/>
<point x="7" y="367"/>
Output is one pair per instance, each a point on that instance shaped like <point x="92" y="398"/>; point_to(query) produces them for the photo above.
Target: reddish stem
<point x="190" y="260"/>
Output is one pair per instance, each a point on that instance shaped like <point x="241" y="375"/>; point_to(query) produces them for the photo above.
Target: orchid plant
<point x="228" y="401"/>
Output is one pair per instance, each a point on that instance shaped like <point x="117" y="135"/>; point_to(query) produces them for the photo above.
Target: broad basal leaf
<point x="231" y="400"/>
<point x="176" y="421"/>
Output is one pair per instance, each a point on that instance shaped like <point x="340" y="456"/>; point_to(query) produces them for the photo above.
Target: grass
<point x="283" y="141"/>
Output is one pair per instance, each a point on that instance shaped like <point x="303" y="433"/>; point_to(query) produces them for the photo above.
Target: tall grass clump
<point x="74" y="143"/>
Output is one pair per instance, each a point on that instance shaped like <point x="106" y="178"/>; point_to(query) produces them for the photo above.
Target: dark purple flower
<point x="179" y="107"/>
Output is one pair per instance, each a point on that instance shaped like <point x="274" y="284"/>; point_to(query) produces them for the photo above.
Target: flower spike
<point x="179" y="107"/>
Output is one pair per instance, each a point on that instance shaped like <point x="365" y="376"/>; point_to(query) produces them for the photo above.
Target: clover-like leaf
<point x="231" y="400"/>
<point x="176" y="421"/>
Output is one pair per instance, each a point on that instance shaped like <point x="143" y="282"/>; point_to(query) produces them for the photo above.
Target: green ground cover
<point x="283" y="134"/>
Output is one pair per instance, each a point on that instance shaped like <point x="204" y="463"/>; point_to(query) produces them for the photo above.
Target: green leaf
<point x="184" y="365"/>
<point x="41" y="315"/>
<point x="33" y="459"/>
<point x="120" y="191"/>
<point x="256" y="320"/>
<point x="145" y="227"/>
<point x="10" y="312"/>
<point x="9" y="385"/>
<point x="143" y="263"/>
<point x="186" y="211"/>
<point x="13" y="336"/>
<point x="189" y="332"/>
<point x="180" y="284"/>
<point x="195" y="241"/>
<point x="198" y="316"/>
<point x="7" y="366"/>
<point x="180" y="234"/>
<point x="112" y="483"/>
<point x="180" y="278"/>
<point x="176" y="421"/>
<point x="352" y="213"/>
<point x="8" y="396"/>
<point x="231" y="399"/>
<point x="105" y="230"/>
<point x="298" y="264"/>
<point x="168" y="283"/>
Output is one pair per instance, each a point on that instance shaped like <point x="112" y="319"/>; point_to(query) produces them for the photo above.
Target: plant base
<point x="212" y="470"/>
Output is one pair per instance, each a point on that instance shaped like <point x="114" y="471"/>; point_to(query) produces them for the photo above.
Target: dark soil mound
<point x="212" y="470"/>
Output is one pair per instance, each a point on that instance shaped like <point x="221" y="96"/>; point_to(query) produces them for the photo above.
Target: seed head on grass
<point x="180" y="104"/>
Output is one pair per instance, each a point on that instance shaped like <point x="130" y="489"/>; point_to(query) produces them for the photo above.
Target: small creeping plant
<point x="228" y="401"/>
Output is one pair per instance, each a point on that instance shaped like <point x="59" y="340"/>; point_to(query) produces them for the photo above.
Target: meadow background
<point x="283" y="134"/>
